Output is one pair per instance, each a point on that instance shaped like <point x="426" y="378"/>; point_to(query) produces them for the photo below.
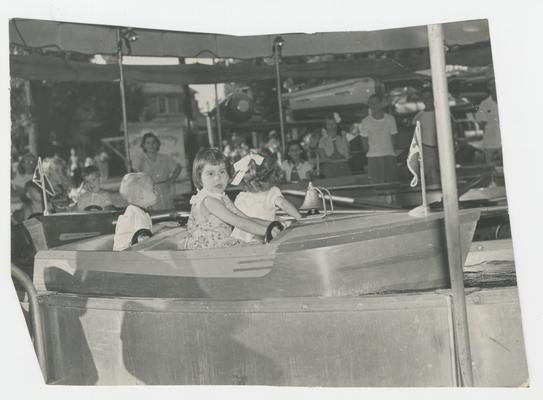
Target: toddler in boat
<point x="258" y="176"/>
<point x="92" y="196"/>
<point x="213" y="215"/>
<point x="135" y="224"/>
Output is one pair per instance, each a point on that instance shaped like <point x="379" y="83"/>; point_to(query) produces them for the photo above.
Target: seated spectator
<point x="33" y="200"/>
<point x="92" y="196"/>
<point x="334" y="152"/>
<point x="296" y="168"/>
<point x="236" y="148"/>
<point x="272" y="146"/>
<point x="56" y="170"/>
<point x="101" y="160"/>
<point x="24" y="173"/>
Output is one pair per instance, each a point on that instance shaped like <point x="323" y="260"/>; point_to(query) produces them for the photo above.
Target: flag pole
<point x="421" y="166"/>
<point x="44" y="193"/>
<point x="128" y="164"/>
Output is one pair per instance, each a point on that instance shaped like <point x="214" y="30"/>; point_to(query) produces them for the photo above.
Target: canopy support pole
<point x="209" y="132"/>
<point x="32" y="137"/>
<point x="218" y="112"/>
<point x="450" y="200"/>
<point x="218" y="116"/>
<point x="277" y="44"/>
<point x="123" y="100"/>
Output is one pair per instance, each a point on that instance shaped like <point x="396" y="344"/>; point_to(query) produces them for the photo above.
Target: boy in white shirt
<point x="135" y="224"/>
<point x="377" y="131"/>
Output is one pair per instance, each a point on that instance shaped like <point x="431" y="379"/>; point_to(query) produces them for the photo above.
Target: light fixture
<point x="126" y="35"/>
<point x="130" y="35"/>
<point x="278" y="41"/>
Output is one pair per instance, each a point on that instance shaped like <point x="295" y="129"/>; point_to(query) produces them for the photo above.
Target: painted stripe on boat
<point x="251" y="269"/>
<point x="419" y="255"/>
<point x="254" y="261"/>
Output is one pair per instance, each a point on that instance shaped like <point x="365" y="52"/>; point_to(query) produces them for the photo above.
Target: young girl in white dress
<point x="258" y="176"/>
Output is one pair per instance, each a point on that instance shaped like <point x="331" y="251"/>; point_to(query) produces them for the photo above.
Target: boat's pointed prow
<point x="419" y="212"/>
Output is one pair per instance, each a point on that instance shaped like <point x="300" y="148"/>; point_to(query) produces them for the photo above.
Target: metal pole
<point x="32" y="137"/>
<point x="209" y="131"/>
<point x="123" y="99"/>
<point x="276" y="49"/>
<point x="218" y="115"/>
<point x="450" y="201"/>
<point x="35" y="316"/>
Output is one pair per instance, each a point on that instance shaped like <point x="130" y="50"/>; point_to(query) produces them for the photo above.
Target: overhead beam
<point x="54" y="68"/>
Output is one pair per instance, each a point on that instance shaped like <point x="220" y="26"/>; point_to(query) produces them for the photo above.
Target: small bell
<point x="312" y="201"/>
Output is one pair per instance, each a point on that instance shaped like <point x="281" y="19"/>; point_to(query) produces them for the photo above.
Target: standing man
<point x="487" y="114"/>
<point x="427" y="119"/>
<point x="377" y="131"/>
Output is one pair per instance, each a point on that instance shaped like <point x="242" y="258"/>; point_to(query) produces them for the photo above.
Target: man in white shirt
<point x="487" y="114"/>
<point x="377" y="131"/>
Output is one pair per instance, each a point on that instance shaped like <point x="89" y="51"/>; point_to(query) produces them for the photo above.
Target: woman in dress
<point x="162" y="168"/>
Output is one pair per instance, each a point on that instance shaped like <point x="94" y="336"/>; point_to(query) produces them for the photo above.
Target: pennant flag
<point x="37" y="179"/>
<point x="413" y="157"/>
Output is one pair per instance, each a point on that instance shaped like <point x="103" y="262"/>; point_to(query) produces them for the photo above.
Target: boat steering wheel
<point x="268" y="235"/>
<point x="140" y="235"/>
<point x="93" y="207"/>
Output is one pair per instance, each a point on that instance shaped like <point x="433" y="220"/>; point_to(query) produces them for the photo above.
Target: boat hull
<point x="340" y="256"/>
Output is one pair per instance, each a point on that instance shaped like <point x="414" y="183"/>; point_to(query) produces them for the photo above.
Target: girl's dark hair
<point x="212" y="156"/>
<point x="295" y="143"/>
<point x="148" y="135"/>
<point x="260" y="178"/>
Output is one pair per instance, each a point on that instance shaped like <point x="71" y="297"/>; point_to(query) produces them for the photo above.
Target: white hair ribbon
<point x="242" y="166"/>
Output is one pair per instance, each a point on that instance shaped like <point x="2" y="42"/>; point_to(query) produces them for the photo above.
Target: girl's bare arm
<point x="217" y="208"/>
<point x="287" y="207"/>
<point x="240" y="213"/>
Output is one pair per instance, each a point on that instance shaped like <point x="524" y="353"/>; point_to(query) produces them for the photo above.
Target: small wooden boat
<point x="47" y="231"/>
<point x="358" y="191"/>
<point x="335" y="255"/>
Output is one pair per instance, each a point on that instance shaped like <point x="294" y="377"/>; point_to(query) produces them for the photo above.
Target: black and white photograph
<point x="270" y="198"/>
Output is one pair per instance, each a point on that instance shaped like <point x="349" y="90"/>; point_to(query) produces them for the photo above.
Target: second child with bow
<point x="258" y="175"/>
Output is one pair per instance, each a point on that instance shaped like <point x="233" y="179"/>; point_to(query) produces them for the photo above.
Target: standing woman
<point x="162" y="168"/>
